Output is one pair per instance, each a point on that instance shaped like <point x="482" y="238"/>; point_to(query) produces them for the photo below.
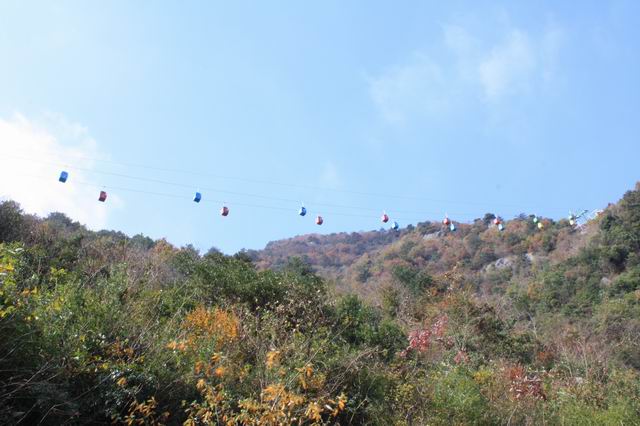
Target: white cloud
<point x="414" y="87"/>
<point x="462" y="68"/>
<point x="508" y="68"/>
<point x="330" y="176"/>
<point x="33" y="154"/>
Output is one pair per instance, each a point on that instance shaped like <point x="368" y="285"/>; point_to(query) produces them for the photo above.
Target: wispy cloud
<point x="330" y="177"/>
<point x="410" y="88"/>
<point x="33" y="153"/>
<point x="508" y="67"/>
<point x="462" y="68"/>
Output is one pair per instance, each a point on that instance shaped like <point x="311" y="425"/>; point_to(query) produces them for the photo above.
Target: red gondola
<point x="446" y="221"/>
<point x="319" y="220"/>
<point x="103" y="196"/>
<point x="497" y="221"/>
<point x="224" y="211"/>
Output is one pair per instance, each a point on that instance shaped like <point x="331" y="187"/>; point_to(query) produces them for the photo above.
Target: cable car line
<point x="301" y="186"/>
<point x="224" y="211"/>
<point x="184" y="185"/>
<point x="184" y="197"/>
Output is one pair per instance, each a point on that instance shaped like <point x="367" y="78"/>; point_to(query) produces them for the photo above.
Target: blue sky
<point x="435" y="107"/>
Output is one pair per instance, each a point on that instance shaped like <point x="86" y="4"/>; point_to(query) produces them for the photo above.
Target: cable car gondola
<point x="302" y="211"/>
<point x="103" y="196"/>
<point x="319" y="220"/>
<point x="63" y="176"/>
<point x="384" y="218"/>
<point x="395" y="226"/>
<point x="224" y="211"/>
<point x="197" y="197"/>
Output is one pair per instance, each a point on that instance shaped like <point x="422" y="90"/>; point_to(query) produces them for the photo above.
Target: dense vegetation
<point x="524" y="326"/>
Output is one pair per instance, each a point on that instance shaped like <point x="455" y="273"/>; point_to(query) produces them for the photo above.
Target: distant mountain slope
<point x="362" y="262"/>
<point x="328" y="254"/>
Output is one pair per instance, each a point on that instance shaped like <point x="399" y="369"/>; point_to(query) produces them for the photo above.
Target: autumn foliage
<point x="525" y="326"/>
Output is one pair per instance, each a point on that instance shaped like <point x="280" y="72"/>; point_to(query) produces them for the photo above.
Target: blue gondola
<point x="197" y="197"/>
<point x="395" y="226"/>
<point x="452" y="227"/>
<point x="302" y="211"/>
<point x="63" y="176"/>
<point x="500" y="227"/>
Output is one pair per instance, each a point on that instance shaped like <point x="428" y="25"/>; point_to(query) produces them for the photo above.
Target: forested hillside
<point x="423" y="326"/>
<point x="330" y="255"/>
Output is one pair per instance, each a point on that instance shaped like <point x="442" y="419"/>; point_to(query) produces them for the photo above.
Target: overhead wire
<point x="251" y="195"/>
<point x="190" y="186"/>
<point x="184" y="197"/>
<point x="233" y="203"/>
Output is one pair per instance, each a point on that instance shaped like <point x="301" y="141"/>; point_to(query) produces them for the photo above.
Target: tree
<point x="11" y="221"/>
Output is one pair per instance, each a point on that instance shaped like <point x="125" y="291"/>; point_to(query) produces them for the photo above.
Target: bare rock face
<point x="507" y="262"/>
<point x="504" y="263"/>
<point x="534" y="259"/>
<point x="433" y="235"/>
<point x="514" y="261"/>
